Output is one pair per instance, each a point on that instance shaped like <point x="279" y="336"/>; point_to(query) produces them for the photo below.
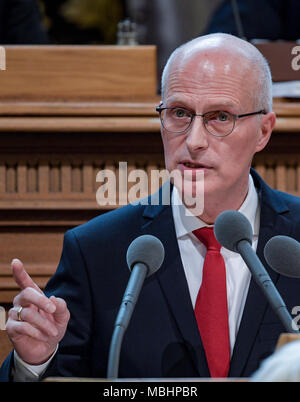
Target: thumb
<point x="61" y="314"/>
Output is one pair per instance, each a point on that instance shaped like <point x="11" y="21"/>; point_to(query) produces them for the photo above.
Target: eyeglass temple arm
<point x="252" y="113"/>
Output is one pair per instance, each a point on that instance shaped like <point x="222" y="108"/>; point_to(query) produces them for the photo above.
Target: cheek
<point x="172" y="146"/>
<point x="238" y="153"/>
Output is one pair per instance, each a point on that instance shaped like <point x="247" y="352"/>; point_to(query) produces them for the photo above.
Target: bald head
<point x="229" y="53"/>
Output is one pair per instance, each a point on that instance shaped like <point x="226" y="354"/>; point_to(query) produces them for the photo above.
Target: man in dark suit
<point x="216" y="114"/>
<point x="267" y="19"/>
<point x="21" y="23"/>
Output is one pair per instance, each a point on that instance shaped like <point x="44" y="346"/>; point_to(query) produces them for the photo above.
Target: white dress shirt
<point x="24" y="372"/>
<point x="193" y="252"/>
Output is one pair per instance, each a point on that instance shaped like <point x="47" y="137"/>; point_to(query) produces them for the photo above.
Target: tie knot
<point x="207" y="237"/>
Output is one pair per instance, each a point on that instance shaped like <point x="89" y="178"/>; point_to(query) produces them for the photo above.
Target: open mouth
<point x="194" y="165"/>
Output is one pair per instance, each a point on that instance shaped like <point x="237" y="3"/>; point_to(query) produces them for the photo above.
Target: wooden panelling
<point x="79" y="124"/>
<point x="108" y="117"/>
<point x="78" y="72"/>
<point x="66" y="183"/>
<point x="51" y="186"/>
<point x="281" y="172"/>
<point x="5" y="346"/>
<point x="28" y="229"/>
<point x="141" y="107"/>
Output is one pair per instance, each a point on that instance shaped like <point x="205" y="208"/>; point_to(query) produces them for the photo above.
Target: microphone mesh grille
<point x="146" y="249"/>
<point x="231" y="227"/>
<point x="282" y="253"/>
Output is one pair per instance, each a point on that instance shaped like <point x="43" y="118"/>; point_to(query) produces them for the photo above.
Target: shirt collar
<point x="186" y="222"/>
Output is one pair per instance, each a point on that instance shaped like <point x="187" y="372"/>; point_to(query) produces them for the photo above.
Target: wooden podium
<point x="144" y="380"/>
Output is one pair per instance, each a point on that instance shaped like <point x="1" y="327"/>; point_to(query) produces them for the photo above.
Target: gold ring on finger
<point x="19" y="313"/>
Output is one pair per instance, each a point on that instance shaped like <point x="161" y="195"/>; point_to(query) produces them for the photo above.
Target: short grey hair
<point x="262" y="96"/>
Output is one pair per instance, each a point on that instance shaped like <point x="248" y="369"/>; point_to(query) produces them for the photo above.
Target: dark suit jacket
<point x="162" y="339"/>
<point x="267" y="19"/>
<point x="20" y="23"/>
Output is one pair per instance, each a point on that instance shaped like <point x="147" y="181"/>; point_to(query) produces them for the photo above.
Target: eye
<point x="222" y="116"/>
<point x="180" y="113"/>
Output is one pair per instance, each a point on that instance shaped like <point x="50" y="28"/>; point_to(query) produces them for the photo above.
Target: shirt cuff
<point x="28" y="372"/>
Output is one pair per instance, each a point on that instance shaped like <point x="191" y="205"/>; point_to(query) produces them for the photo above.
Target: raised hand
<point x="36" y="323"/>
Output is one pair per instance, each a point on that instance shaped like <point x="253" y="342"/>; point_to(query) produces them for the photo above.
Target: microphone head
<point x="282" y="253"/>
<point x="231" y="227"/>
<point x="148" y="250"/>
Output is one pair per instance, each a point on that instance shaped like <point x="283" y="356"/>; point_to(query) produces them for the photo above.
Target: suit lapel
<point x="158" y="221"/>
<point x="172" y="281"/>
<point x="273" y="221"/>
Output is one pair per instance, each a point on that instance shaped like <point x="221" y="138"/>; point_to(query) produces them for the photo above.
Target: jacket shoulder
<point x="292" y="201"/>
<point x="111" y="224"/>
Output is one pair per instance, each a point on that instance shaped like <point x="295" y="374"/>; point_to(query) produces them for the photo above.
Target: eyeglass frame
<point x="159" y="109"/>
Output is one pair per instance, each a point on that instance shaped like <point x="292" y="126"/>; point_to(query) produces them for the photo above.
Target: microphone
<point x="234" y="232"/>
<point x="282" y="253"/>
<point x="144" y="257"/>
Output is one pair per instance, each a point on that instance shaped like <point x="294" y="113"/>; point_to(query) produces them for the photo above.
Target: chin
<point x="192" y="195"/>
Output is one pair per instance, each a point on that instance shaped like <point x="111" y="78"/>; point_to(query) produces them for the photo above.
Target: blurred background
<point x="165" y="23"/>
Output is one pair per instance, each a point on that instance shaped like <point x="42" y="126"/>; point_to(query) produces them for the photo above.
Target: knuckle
<point x="26" y="293"/>
<point x="8" y="327"/>
<point x="16" y="300"/>
<point x="63" y="303"/>
<point x="26" y="328"/>
<point x="25" y="314"/>
<point x="11" y="312"/>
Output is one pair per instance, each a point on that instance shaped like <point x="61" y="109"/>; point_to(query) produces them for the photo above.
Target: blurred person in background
<point x="21" y="23"/>
<point x="169" y="23"/>
<point x="261" y="19"/>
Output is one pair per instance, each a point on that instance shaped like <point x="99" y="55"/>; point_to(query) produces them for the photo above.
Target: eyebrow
<point x="220" y="105"/>
<point x="213" y="106"/>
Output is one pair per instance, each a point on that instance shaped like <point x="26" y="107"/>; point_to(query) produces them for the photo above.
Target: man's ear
<point x="267" y="124"/>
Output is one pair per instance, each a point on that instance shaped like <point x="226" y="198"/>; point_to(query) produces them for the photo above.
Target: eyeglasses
<point x="218" y="123"/>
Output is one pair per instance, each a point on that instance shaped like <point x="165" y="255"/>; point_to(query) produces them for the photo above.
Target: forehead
<point x="211" y="73"/>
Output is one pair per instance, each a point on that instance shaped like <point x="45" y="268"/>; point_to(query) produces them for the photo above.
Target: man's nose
<point x="197" y="136"/>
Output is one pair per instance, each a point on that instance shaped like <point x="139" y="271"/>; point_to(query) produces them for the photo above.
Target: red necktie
<point x="211" y="306"/>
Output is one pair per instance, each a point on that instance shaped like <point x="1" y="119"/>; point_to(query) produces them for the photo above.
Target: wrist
<point x="37" y="366"/>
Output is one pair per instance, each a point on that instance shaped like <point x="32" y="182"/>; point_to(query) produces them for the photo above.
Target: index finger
<point x="22" y="278"/>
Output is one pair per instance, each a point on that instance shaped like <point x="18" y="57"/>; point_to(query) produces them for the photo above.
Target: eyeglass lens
<point x="178" y="120"/>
